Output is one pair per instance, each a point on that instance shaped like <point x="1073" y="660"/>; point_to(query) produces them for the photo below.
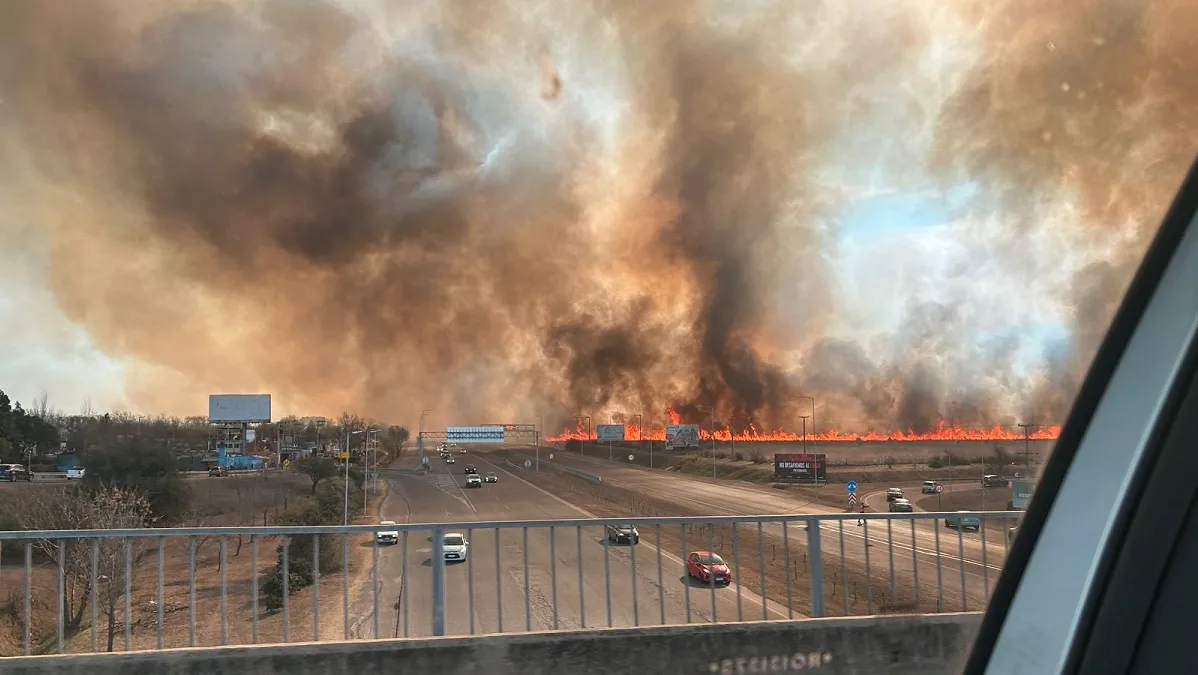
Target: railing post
<point x="815" y="566"/>
<point x="438" y="581"/>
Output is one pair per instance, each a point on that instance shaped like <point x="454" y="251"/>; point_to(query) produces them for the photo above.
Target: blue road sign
<point x="851" y="485"/>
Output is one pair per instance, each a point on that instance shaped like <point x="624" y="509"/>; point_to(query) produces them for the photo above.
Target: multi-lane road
<point x="530" y="579"/>
<point x="944" y="559"/>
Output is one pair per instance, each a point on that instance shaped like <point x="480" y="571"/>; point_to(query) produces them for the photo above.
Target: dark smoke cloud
<point x="500" y="210"/>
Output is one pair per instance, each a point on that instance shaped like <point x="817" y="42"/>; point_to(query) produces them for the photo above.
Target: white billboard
<point x="609" y="433"/>
<point x="682" y="436"/>
<point x="238" y="408"/>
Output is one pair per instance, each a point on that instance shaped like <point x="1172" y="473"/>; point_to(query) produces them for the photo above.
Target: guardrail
<point x="900" y="645"/>
<point x="108" y="589"/>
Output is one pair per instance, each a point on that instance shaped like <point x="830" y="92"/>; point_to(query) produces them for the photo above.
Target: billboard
<point x="492" y="433"/>
<point x="682" y="436"/>
<point x="238" y="408"/>
<point x="812" y="468"/>
<point x="608" y="433"/>
<point x="1021" y="494"/>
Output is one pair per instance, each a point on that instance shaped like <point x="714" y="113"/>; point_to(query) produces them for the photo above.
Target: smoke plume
<point x="503" y="209"/>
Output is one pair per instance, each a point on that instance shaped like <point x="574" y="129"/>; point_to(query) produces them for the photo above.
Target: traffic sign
<point x="852" y="499"/>
<point x="851" y="485"/>
<point x="527" y="463"/>
<point x="939" y="489"/>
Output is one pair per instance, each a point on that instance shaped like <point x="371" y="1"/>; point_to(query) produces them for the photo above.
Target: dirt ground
<point x="865" y="596"/>
<point x="230" y="501"/>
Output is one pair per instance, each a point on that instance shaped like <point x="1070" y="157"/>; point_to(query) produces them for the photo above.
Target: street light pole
<point x="366" y="469"/>
<point x="711" y="410"/>
<point x="345" y="514"/>
<point x="1027" y="449"/>
<point x="813" y="429"/>
<point x="804" y="418"/>
<point x="537" y="434"/>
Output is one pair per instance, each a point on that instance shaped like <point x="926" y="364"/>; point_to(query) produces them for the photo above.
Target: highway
<point x="498" y="583"/>
<point x="722" y="497"/>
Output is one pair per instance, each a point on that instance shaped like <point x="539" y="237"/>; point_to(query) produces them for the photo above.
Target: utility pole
<point x="813" y="429"/>
<point x="711" y="410"/>
<point x="537" y="434"/>
<point x="804" y="418"/>
<point x="732" y="436"/>
<point x="1027" y="449"/>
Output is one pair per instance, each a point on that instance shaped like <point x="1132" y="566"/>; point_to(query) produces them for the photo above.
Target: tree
<point x="64" y="508"/>
<point x="117" y="508"/>
<point x="143" y="466"/>
<point x="317" y="469"/>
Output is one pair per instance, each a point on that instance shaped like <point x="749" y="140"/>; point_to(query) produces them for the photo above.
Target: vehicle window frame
<point x="1085" y="498"/>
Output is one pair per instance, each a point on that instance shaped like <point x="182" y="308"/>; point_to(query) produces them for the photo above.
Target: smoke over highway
<point x="610" y="208"/>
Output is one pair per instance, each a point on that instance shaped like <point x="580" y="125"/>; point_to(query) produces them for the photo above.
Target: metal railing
<point x="94" y="590"/>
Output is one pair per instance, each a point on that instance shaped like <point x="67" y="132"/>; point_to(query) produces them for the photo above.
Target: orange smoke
<point x="943" y="432"/>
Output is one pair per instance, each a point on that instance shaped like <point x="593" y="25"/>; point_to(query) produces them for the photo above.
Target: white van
<point x="75" y="473"/>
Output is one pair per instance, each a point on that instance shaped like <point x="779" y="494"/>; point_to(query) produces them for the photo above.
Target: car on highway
<point x="708" y="568"/>
<point x="75" y="473"/>
<point x="388" y="536"/>
<point x="454" y="546"/>
<point x="1011" y="532"/>
<point x="491" y="477"/>
<point x="964" y="522"/>
<point x="991" y="480"/>
<point x="470" y="469"/>
<point x="473" y="480"/>
<point x="902" y="506"/>
<point x="930" y="487"/>
<point x="218" y="471"/>
<point x="623" y="534"/>
<point x="894" y="493"/>
<point x="17" y="472"/>
<point x="448" y="459"/>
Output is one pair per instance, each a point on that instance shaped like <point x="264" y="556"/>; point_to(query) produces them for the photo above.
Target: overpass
<point x="896" y="645"/>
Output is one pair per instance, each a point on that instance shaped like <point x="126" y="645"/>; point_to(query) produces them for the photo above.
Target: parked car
<point x="708" y="568"/>
<point x="901" y="506"/>
<point x="894" y="493"/>
<point x="930" y="487"/>
<point x="964" y="522"/>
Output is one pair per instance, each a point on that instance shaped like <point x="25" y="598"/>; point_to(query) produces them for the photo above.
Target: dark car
<point x="491" y="478"/>
<point x="16" y="473"/>
<point x="623" y="534"/>
<point x="218" y="471"/>
<point x="470" y="469"/>
<point x="992" y="480"/>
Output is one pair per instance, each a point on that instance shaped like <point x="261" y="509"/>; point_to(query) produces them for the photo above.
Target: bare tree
<point x="64" y="508"/>
<point x="117" y="559"/>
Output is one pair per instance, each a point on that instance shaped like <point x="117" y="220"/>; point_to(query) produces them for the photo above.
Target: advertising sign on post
<point x="682" y="436"/>
<point x="799" y="467"/>
<point x="1021" y="494"/>
<point x="238" y="408"/>
<point x="609" y="433"/>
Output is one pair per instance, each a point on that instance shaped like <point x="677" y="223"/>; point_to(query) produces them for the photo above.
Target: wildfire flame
<point x="943" y="432"/>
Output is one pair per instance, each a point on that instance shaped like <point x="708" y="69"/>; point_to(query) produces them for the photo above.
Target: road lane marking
<point x="746" y="593"/>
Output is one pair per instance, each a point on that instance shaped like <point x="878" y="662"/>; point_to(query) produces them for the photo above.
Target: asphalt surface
<point x="944" y="558"/>
<point x="525" y="579"/>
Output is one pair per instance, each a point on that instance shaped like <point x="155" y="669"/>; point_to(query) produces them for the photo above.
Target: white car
<point x="473" y="481"/>
<point x="454" y="545"/>
<point x="930" y="487"/>
<point x="75" y="474"/>
<point x="388" y="536"/>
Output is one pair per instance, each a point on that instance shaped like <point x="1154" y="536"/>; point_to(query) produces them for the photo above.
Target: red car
<point x="708" y="568"/>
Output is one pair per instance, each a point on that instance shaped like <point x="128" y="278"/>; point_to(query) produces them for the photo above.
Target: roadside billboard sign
<point x="1021" y="494"/>
<point x="609" y="433"/>
<point x="682" y="436"/>
<point x="238" y="408"/>
<point x="801" y="467"/>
